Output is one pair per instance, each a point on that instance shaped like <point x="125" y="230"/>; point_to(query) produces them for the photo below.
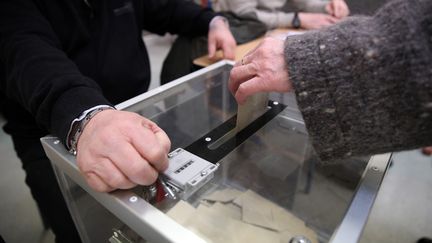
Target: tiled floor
<point x="19" y="218"/>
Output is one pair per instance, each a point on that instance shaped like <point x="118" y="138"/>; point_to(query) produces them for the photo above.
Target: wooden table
<point x="242" y="49"/>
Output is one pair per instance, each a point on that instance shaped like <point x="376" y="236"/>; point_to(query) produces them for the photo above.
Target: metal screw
<point x="299" y="239"/>
<point x="374" y="168"/>
<point x="133" y="199"/>
<point x="275" y="103"/>
<point x="56" y="141"/>
<point x="208" y="139"/>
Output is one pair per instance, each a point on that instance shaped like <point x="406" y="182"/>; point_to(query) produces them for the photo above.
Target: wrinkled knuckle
<point x="114" y="181"/>
<point x="250" y="68"/>
<point x="145" y="176"/>
<point x="150" y="178"/>
<point x="164" y="164"/>
<point x="137" y="169"/>
<point x="167" y="146"/>
<point x="149" y="122"/>
<point x="261" y="51"/>
<point x="241" y="91"/>
<point x="92" y="182"/>
<point x="233" y="76"/>
<point x="156" y="154"/>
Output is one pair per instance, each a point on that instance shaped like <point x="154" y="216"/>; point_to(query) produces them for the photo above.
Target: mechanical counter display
<point x="186" y="173"/>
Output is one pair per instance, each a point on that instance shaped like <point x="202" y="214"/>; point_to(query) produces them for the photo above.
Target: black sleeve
<point x="365" y="86"/>
<point x="38" y="74"/>
<point x="176" y="16"/>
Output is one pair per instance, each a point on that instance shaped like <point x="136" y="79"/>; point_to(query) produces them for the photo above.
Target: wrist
<point x="217" y="21"/>
<point x="78" y="124"/>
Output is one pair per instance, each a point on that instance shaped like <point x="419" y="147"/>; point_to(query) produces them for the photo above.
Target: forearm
<point x="364" y="86"/>
<point x="42" y="84"/>
<point x="37" y="73"/>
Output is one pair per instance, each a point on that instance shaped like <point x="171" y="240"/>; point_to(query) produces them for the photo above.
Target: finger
<point x="211" y="46"/>
<point x="161" y="136"/>
<point x="228" y="50"/>
<point x="133" y="165"/>
<point x="241" y="62"/>
<point x="347" y="10"/>
<point x="332" y="20"/>
<point x="340" y="11"/>
<point x="336" y="10"/>
<point x="152" y="144"/>
<point x="111" y="175"/>
<point x="164" y="143"/>
<point x="95" y="182"/>
<point x="329" y="8"/>
<point x="239" y="75"/>
<point x="249" y="88"/>
<point x="344" y="10"/>
<point x="247" y="59"/>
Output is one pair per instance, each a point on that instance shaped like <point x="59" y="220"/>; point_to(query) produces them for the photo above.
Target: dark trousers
<point x="44" y="188"/>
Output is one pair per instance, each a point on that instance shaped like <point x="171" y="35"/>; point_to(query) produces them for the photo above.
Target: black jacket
<point x="59" y="58"/>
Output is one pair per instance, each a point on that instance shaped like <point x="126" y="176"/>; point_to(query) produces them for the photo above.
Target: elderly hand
<point x="337" y="8"/>
<point x="220" y="37"/>
<point x="311" y="21"/>
<point x="119" y="149"/>
<point x="262" y="70"/>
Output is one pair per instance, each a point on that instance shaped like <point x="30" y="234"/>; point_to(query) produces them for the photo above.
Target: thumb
<point x="228" y="50"/>
<point x="330" y="8"/>
<point x="337" y="11"/>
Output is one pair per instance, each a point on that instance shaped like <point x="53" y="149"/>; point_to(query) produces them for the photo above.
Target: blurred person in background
<point x="305" y="14"/>
<point x="248" y="20"/>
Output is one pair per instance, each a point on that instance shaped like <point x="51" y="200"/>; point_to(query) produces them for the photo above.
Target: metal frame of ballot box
<point x="152" y="224"/>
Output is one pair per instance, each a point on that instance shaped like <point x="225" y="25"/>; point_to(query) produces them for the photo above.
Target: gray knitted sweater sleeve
<point x="364" y="86"/>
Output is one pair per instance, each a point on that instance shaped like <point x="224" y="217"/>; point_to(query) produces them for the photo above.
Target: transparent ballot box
<point x="265" y="184"/>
